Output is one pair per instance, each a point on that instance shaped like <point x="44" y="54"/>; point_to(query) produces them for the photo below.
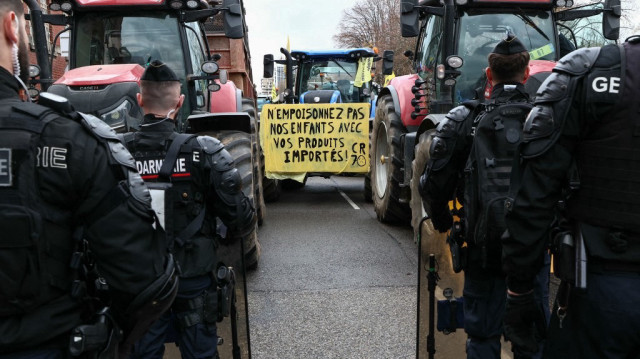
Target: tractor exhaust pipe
<point x="40" y="42"/>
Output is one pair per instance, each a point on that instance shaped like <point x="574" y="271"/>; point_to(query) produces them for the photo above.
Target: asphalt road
<point x="333" y="282"/>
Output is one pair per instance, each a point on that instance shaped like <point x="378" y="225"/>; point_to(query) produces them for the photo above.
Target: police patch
<point x="5" y="167"/>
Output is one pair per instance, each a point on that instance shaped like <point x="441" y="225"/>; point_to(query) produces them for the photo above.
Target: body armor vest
<point x="608" y="156"/>
<point x="179" y="200"/>
<point x="35" y="245"/>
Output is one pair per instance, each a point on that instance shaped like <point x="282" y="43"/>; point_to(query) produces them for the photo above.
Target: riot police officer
<point x="584" y="135"/>
<point x="195" y="180"/>
<point x="78" y="251"/>
<point x="470" y="161"/>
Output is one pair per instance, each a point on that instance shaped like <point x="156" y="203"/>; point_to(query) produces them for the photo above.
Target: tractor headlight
<point x="455" y="61"/>
<point x="34" y="70"/>
<point x="116" y="117"/>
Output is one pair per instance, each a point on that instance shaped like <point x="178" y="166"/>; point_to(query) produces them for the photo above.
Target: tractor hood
<point x="100" y="75"/>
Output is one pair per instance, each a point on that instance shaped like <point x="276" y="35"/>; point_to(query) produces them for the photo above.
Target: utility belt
<point x="212" y="306"/>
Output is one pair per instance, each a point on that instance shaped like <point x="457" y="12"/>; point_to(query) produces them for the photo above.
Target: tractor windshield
<point x="480" y="32"/>
<point x="330" y="74"/>
<point x="114" y="38"/>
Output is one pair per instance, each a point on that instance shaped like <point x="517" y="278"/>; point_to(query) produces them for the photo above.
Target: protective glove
<point x="442" y="221"/>
<point x="524" y="323"/>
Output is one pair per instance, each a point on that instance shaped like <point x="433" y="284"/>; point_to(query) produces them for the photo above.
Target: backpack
<point x="496" y="136"/>
<point x="24" y="275"/>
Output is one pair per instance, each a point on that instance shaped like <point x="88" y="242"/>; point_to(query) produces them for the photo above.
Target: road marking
<point x="355" y="206"/>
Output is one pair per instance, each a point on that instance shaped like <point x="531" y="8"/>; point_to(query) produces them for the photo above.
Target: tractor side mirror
<point x="233" y="22"/>
<point x="409" y="18"/>
<point x="611" y="19"/>
<point x="268" y="66"/>
<point x="387" y="62"/>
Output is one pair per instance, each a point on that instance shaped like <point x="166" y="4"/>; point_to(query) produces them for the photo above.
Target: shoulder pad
<point x="578" y="62"/>
<point x="209" y="144"/>
<point x="553" y="88"/>
<point x="98" y="127"/>
<point x="222" y="160"/>
<point x="459" y="113"/>
<point x="121" y="154"/>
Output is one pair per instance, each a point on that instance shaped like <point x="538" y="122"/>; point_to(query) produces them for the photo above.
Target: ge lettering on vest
<point x="149" y="168"/>
<point x="606" y="84"/>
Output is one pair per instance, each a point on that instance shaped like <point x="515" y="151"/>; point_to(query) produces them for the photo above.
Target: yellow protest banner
<point x="327" y="138"/>
<point x="363" y="74"/>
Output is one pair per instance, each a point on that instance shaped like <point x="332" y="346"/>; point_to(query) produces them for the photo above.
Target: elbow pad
<point x="228" y="186"/>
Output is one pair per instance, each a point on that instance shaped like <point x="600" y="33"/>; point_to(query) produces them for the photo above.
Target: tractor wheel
<point x="386" y="164"/>
<point x="249" y="107"/>
<point x="271" y="187"/>
<point x="239" y="145"/>
<point x="417" y="166"/>
<point x="368" y="197"/>
<point x="367" y="187"/>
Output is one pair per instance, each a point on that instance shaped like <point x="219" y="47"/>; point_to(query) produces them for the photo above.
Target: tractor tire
<point x="418" y="211"/>
<point x="249" y="107"/>
<point x="386" y="164"/>
<point x="239" y="145"/>
<point x="271" y="188"/>
<point x="368" y="195"/>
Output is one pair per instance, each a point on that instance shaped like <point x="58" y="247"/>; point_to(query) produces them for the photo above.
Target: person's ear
<point x="489" y="75"/>
<point x="526" y="73"/>
<point x="139" y="98"/>
<point x="11" y="26"/>
<point x="180" y="102"/>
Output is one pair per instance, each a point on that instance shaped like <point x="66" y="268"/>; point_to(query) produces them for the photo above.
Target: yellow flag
<point x="388" y="79"/>
<point x="288" y="44"/>
<point x="363" y="75"/>
<point x="274" y="94"/>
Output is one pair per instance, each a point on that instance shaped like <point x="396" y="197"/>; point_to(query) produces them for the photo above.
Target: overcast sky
<point x="309" y="24"/>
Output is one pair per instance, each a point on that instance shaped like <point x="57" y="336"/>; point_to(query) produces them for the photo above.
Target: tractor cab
<point x="111" y="44"/>
<point x="331" y="76"/>
<point x="456" y="38"/>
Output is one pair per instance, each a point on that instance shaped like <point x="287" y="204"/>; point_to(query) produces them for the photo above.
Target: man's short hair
<point x="160" y="97"/>
<point x="508" y="68"/>
<point x="16" y="6"/>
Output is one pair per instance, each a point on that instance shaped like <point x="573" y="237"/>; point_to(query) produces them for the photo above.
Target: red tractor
<point x="112" y="40"/>
<point x="454" y="39"/>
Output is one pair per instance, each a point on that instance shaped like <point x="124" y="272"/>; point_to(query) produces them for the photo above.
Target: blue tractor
<point x="326" y="76"/>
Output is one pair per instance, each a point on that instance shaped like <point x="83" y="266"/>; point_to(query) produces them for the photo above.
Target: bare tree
<point x="376" y="23"/>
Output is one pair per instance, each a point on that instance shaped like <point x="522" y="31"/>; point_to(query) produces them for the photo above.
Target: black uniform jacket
<point x="75" y="177"/>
